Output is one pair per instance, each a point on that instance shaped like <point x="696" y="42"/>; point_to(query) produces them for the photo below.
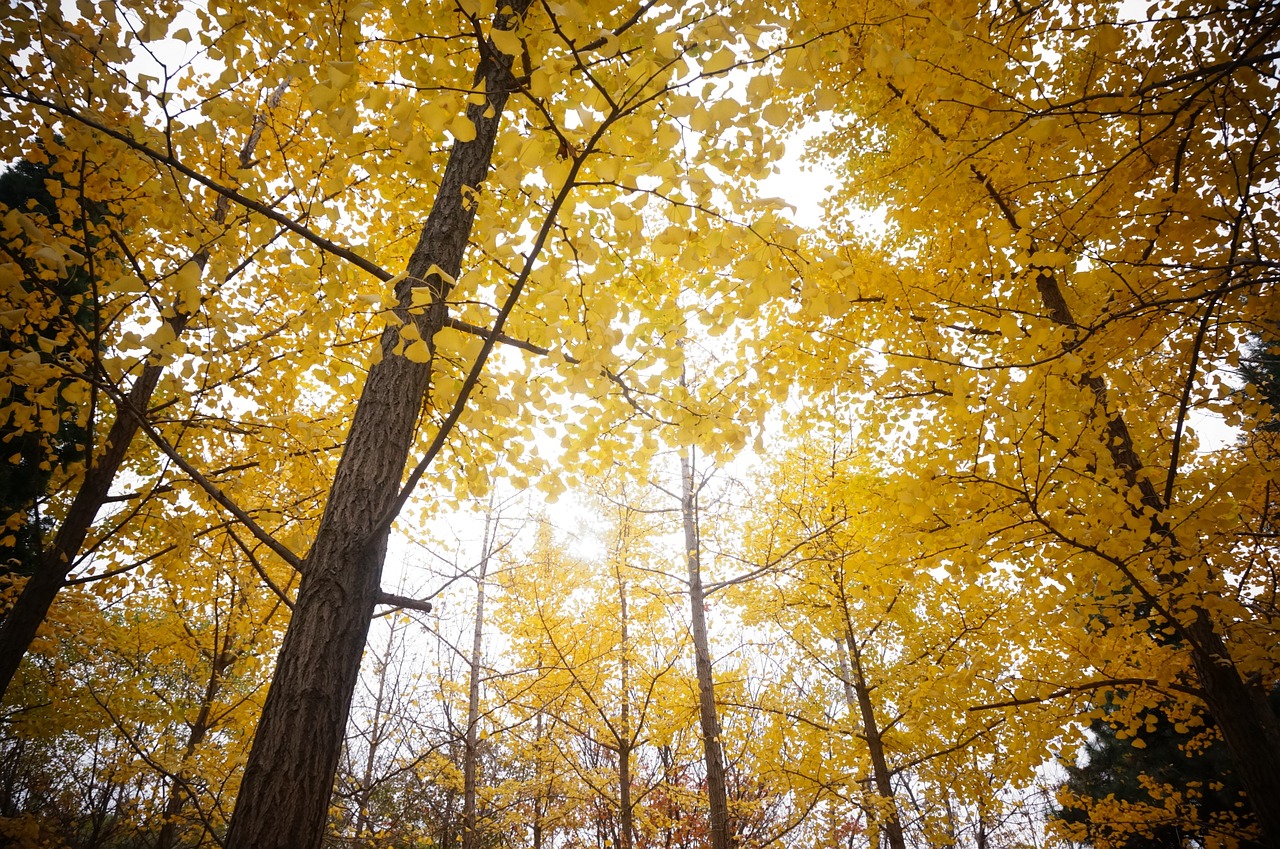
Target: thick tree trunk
<point x="284" y="796"/>
<point x="721" y="832"/>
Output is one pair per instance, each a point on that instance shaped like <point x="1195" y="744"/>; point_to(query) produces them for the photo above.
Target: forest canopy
<point x="423" y="425"/>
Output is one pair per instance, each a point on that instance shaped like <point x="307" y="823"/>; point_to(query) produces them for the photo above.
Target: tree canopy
<point x="879" y="512"/>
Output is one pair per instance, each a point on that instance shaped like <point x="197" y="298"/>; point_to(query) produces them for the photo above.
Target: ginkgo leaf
<point x="462" y="129"/>
<point x="418" y="352"/>
<point x="506" y="41"/>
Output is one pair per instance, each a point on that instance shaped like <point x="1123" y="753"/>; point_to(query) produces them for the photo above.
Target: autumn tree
<point x="593" y="635"/>
<point x="79" y="235"/>
<point x="37" y="453"/>
<point x="895" y="655"/>
<point x="1075" y="244"/>
<point x="322" y="222"/>
<point x="722" y="829"/>
<point x="138" y="716"/>
<point x="382" y="154"/>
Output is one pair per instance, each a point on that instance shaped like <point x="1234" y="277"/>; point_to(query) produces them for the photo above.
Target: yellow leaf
<point x="418" y="352"/>
<point x="722" y="60"/>
<point x="506" y="41"/>
<point x="462" y="129"/>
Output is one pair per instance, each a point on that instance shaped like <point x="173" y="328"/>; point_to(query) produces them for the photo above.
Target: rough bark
<point x="713" y="753"/>
<point x="288" y="780"/>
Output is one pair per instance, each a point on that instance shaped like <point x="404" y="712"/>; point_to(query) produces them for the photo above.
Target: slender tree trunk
<point x="470" y="754"/>
<point x="57" y="559"/>
<point x="284" y="796"/>
<point x="625" y="743"/>
<point x="626" y="819"/>
<point x="886" y="814"/>
<point x="542" y="798"/>
<point x="713" y="752"/>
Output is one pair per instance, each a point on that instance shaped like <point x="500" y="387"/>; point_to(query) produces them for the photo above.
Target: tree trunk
<point x="470" y="754"/>
<point x="713" y="752"/>
<point x="886" y="815"/>
<point x="542" y="797"/>
<point x="284" y="796"/>
<point x="625" y="743"/>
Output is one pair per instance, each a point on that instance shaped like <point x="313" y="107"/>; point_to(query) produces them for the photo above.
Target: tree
<point x="131" y="723"/>
<point x="37" y="454"/>
<point x="896" y="657"/>
<point x="722" y="830"/>
<point x="1075" y="237"/>
<point x="72" y="242"/>
<point x="601" y="661"/>
<point x="1051" y="352"/>
<point x="585" y="127"/>
<point x="1177" y="787"/>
